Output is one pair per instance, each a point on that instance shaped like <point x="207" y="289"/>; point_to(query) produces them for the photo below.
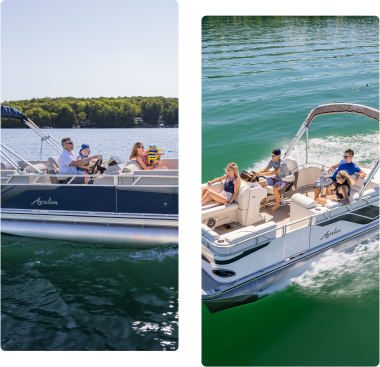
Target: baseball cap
<point x="276" y="152"/>
<point x="85" y="146"/>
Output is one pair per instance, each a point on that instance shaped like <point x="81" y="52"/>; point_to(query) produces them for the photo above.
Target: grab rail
<point x="62" y="176"/>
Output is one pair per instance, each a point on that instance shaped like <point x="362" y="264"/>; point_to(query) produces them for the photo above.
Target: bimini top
<point x="12" y="113"/>
<point x="326" y="109"/>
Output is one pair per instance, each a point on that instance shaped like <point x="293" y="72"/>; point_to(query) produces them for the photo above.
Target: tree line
<point x="101" y="112"/>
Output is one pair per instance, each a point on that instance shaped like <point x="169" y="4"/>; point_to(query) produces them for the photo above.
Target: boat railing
<point x="62" y="176"/>
<point x="302" y="234"/>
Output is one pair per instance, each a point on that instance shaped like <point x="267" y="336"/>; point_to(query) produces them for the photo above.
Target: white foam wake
<point x="329" y="150"/>
<point x="337" y="275"/>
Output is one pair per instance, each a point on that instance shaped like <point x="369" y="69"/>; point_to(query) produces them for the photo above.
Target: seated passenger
<point x="345" y="164"/>
<point x="281" y="170"/>
<point x="343" y="183"/>
<point x="68" y="162"/>
<point x="141" y="157"/>
<point x="153" y="153"/>
<point x="231" y="187"/>
<point x="84" y="153"/>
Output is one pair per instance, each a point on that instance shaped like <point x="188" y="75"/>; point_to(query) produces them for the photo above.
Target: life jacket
<point x="152" y="156"/>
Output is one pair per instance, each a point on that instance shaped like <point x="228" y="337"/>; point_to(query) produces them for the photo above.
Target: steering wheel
<point x="97" y="165"/>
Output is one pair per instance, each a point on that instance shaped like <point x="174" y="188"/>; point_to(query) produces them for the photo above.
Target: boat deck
<point x="280" y="216"/>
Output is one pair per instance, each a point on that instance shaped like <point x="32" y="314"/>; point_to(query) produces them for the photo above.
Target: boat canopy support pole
<point x="22" y="159"/>
<point x="369" y="178"/>
<point x="296" y="138"/>
<point x="54" y="143"/>
<point x="307" y="144"/>
<point x="7" y="158"/>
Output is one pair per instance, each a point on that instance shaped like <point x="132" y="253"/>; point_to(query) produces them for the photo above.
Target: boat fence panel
<point x="297" y="241"/>
<point x="333" y="230"/>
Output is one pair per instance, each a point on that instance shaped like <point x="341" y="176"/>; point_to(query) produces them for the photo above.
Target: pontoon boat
<point x="125" y="206"/>
<point x="266" y="245"/>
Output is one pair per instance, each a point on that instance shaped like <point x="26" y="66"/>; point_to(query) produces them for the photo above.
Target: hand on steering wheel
<point x="95" y="169"/>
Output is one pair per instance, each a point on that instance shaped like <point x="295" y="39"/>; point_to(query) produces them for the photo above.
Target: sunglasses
<point x="142" y="146"/>
<point x="340" y="177"/>
<point x="69" y="142"/>
<point x="347" y="156"/>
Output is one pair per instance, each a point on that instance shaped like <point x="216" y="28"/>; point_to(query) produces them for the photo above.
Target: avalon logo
<point x="44" y="202"/>
<point x="328" y="234"/>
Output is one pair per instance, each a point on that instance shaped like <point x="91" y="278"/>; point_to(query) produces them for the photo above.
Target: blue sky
<point x="88" y="48"/>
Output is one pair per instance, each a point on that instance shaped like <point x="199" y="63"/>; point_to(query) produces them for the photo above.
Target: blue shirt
<point x="350" y="168"/>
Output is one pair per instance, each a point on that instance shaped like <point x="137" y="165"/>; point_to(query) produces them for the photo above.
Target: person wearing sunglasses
<point x="140" y="156"/>
<point x="68" y="162"/>
<point x="343" y="183"/>
<point x="345" y="164"/>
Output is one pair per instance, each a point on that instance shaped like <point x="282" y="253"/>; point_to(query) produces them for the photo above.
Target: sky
<point x="88" y="48"/>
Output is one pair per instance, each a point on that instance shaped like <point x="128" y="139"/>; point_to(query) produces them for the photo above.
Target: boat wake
<point x="329" y="150"/>
<point x="337" y="275"/>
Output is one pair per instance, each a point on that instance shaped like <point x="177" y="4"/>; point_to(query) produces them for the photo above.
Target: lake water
<point x="61" y="295"/>
<point x="261" y="76"/>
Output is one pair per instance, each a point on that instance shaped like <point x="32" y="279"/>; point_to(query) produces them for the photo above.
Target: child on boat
<point x="153" y="154"/>
<point x="84" y="153"/>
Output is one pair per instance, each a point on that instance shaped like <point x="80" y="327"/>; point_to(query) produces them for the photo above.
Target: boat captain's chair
<point x="291" y="179"/>
<point x="53" y="169"/>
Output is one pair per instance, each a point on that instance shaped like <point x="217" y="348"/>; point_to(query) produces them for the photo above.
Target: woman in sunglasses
<point x="343" y="183"/>
<point x="139" y="155"/>
<point x="345" y="164"/>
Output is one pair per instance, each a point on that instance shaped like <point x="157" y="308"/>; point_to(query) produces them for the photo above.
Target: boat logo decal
<point x="43" y="202"/>
<point x="328" y="234"/>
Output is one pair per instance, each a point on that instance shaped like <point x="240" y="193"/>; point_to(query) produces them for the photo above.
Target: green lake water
<point x="261" y="76"/>
<point x="61" y="295"/>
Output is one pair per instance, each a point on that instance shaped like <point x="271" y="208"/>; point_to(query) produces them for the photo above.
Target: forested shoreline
<point x="102" y="112"/>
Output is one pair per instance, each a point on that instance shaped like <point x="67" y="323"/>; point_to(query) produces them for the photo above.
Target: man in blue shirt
<point x="345" y="164"/>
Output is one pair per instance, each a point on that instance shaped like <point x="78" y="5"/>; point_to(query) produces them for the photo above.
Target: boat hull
<point x="129" y="233"/>
<point x="252" y="290"/>
<point x="127" y="216"/>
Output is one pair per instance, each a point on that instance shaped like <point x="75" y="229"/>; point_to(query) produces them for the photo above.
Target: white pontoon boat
<point x="125" y="206"/>
<point x="266" y="245"/>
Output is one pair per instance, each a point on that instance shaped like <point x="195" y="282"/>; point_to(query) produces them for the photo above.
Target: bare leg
<point x="316" y="193"/>
<point x="330" y="189"/>
<point x="276" y="194"/>
<point x="214" y="196"/>
<point x="321" y="200"/>
<point x="203" y="190"/>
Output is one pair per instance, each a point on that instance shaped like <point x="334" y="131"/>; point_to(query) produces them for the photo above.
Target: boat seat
<point x="6" y="166"/>
<point x="5" y="173"/>
<point x="53" y="168"/>
<point x="374" y="192"/>
<point x="22" y="164"/>
<point x="132" y="166"/>
<point x="244" y="210"/>
<point x="291" y="179"/>
<point x="300" y="206"/>
<point x="245" y="233"/>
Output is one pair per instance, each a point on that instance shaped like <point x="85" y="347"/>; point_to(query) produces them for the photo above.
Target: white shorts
<point x="228" y="195"/>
